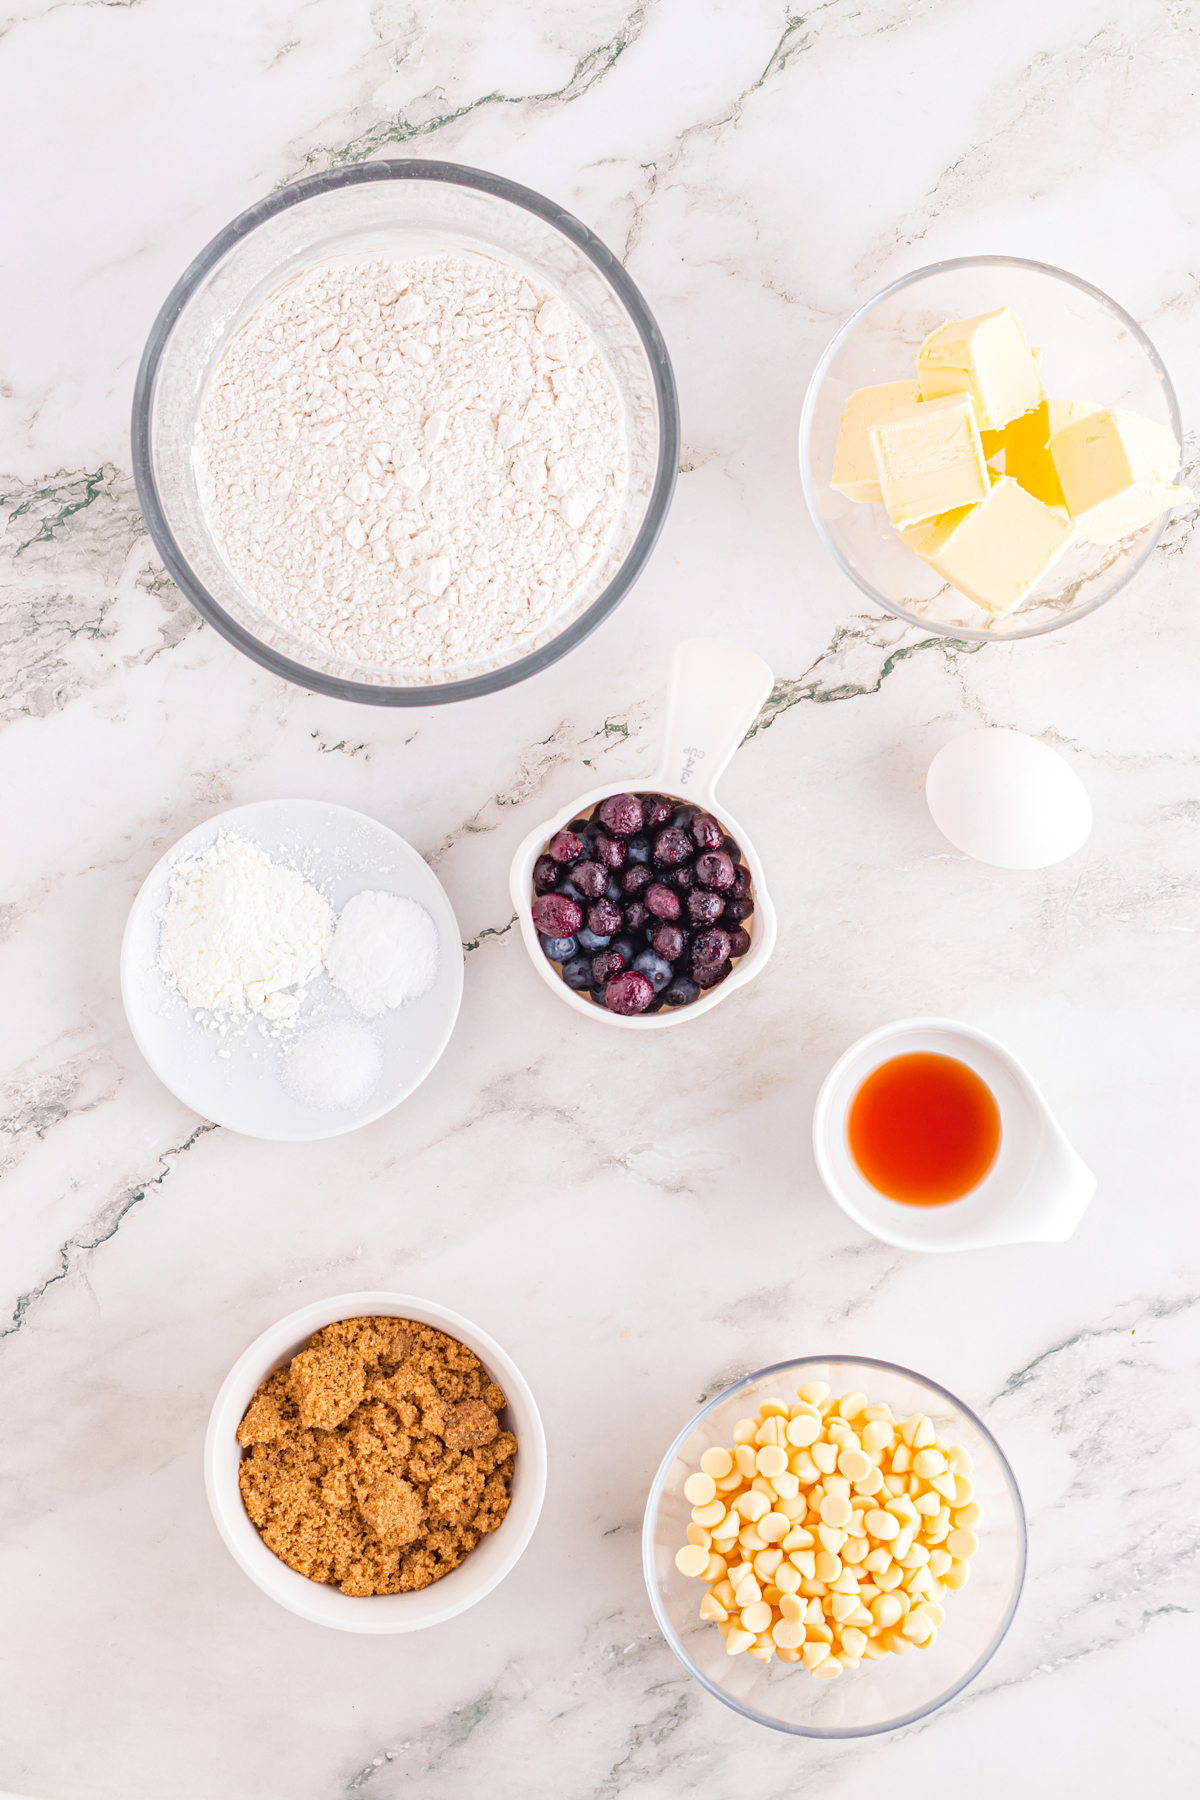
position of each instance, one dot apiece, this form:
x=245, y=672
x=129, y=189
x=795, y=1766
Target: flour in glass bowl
x=412, y=462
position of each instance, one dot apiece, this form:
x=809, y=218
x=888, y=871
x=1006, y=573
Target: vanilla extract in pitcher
x=924, y=1129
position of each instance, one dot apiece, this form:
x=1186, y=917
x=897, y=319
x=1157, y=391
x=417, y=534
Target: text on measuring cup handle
x=691, y=757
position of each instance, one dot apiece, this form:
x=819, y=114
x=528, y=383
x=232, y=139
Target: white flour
x=239, y=930
x=411, y=463
x=384, y=952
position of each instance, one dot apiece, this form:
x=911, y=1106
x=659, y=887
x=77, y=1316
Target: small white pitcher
x=1036, y=1190
x=714, y=694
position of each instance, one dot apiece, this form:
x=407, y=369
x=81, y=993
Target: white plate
x=236, y=1081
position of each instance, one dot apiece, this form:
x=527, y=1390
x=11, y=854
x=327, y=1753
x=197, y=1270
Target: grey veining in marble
x=636, y=1229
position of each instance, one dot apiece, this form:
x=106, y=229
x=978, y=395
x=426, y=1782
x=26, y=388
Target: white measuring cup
x=715, y=692
x=1036, y=1190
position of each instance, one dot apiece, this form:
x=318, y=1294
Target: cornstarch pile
x=412, y=463
x=239, y=932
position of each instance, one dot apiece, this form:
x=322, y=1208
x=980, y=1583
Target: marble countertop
x=636, y=1229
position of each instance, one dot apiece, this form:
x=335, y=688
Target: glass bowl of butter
x=990, y=448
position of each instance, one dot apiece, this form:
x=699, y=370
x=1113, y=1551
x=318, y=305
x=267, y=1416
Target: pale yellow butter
x=854, y=472
x=928, y=459
x=986, y=357
x=1061, y=413
x=1115, y=468
x=995, y=552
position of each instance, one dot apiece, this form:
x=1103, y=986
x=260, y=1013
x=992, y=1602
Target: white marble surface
x=635, y=1228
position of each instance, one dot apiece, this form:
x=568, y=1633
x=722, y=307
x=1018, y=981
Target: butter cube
x=1027, y=455
x=928, y=459
x=986, y=357
x=1062, y=413
x=1116, y=469
x=854, y=472
x=995, y=552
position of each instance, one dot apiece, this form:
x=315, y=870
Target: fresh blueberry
x=732, y=849
x=625, y=948
x=559, y=950
x=704, y=908
x=564, y=846
x=636, y=916
x=591, y=878
x=637, y=847
x=598, y=996
x=613, y=889
x=610, y=851
x=683, y=816
x=656, y=969
x=672, y=846
x=737, y=910
x=681, y=992
x=556, y=916
x=603, y=917
x=636, y=877
x=706, y=831
x=545, y=874
x=654, y=1004
x=578, y=973
x=662, y=901
x=628, y=993
x=568, y=888
x=591, y=941
x=621, y=814
x=739, y=942
x=667, y=941
x=715, y=870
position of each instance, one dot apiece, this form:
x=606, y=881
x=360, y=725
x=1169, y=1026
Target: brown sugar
x=375, y=1460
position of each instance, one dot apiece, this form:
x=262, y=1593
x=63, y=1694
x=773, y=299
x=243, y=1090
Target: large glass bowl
x=397, y=207
x=1091, y=350
x=878, y=1696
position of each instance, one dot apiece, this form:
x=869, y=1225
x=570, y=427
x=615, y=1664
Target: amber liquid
x=924, y=1129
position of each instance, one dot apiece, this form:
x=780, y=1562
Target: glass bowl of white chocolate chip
x=991, y=448
x=834, y=1547
x=405, y=432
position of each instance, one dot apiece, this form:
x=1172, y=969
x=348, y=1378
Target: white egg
x=1004, y=798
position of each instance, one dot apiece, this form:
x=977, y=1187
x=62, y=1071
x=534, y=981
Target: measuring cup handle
x=715, y=692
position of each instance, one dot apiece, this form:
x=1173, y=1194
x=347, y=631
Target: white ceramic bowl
x=477, y=1575
x=238, y=1081
x=1036, y=1190
x=714, y=694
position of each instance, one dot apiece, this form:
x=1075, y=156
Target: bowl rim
x=224, y=1498
x=1010, y=633
x=672, y=1636
x=456, y=175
